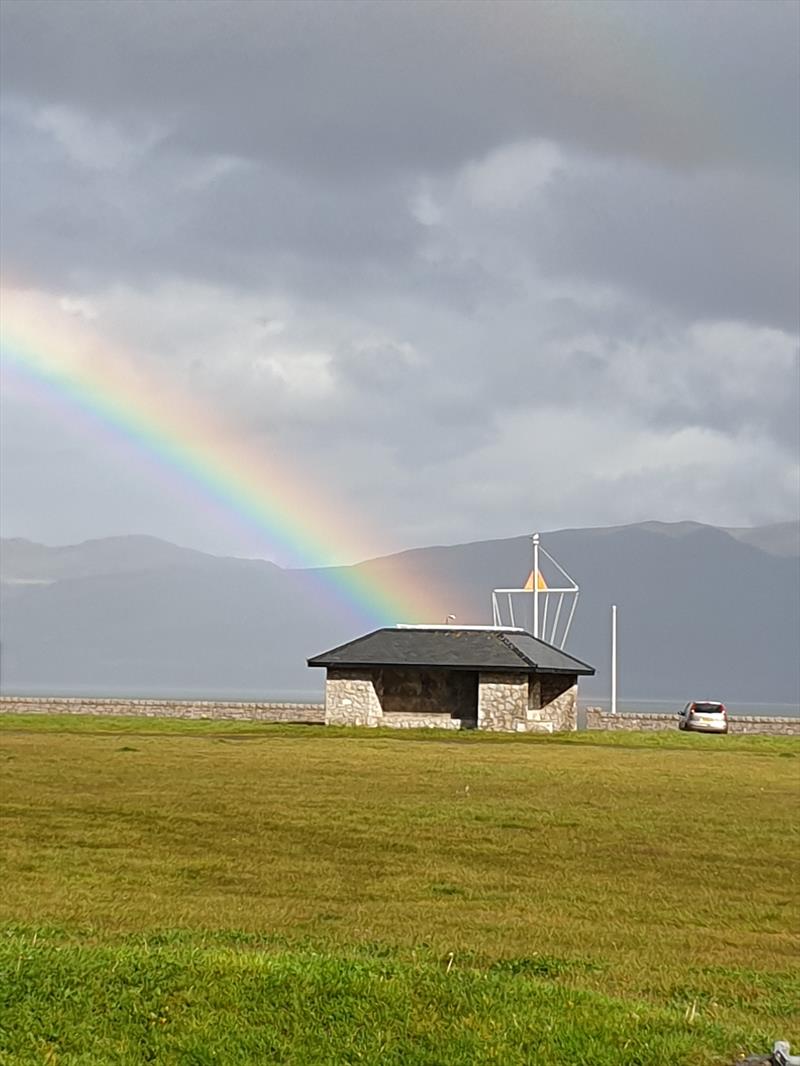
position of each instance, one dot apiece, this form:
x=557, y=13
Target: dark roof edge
x=586, y=667
x=521, y=669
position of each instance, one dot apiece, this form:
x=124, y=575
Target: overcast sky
x=477, y=268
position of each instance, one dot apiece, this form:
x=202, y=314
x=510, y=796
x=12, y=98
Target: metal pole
x=614, y=659
x=535, y=539
x=569, y=620
x=555, y=620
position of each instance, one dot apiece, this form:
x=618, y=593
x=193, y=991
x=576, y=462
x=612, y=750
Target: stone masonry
x=506, y=702
x=558, y=715
x=397, y=699
x=134, y=708
x=562, y=710
x=351, y=699
x=503, y=702
x=597, y=718
x=519, y=703
x=394, y=720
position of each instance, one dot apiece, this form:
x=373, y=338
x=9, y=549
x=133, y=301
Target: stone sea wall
x=504, y=713
x=133, y=708
x=778, y=727
x=597, y=718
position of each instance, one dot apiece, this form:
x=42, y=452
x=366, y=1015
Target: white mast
x=535, y=539
x=548, y=623
x=614, y=659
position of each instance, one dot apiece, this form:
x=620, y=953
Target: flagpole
x=614, y=659
x=535, y=539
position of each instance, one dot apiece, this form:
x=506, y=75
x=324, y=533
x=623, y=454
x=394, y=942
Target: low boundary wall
x=308, y=713
x=314, y=713
x=784, y=726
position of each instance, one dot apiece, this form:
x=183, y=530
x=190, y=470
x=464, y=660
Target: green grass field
x=197, y=893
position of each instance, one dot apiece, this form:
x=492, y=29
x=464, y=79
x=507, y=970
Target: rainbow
x=56, y=359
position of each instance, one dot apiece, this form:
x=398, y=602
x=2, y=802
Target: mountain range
x=703, y=612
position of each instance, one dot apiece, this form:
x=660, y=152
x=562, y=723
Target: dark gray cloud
x=464, y=263
x=141, y=212
x=720, y=245
x=355, y=86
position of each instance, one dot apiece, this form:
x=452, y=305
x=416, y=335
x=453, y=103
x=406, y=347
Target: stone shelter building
x=451, y=677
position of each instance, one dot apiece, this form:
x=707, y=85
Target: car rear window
x=707, y=708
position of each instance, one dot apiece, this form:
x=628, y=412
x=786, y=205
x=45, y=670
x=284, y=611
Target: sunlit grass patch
x=134, y=1003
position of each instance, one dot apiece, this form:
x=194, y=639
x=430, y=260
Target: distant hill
x=782, y=538
x=703, y=612
x=23, y=561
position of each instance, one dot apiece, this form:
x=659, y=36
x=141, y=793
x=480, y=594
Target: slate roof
x=505, y=650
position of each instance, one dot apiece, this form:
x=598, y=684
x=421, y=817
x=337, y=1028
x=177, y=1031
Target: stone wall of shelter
x=597, y=718
x=351, y=698
x=402, y=698
x=503, y=702
x=117, y=707
x=562, y=708
x=394, y=720
x=520, y=703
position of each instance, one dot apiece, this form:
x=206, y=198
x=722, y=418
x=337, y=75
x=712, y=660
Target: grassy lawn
x=198, y=892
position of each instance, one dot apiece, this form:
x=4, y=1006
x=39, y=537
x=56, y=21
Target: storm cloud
x=477, y=268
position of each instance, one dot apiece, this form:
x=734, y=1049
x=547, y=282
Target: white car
x=704, y=716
